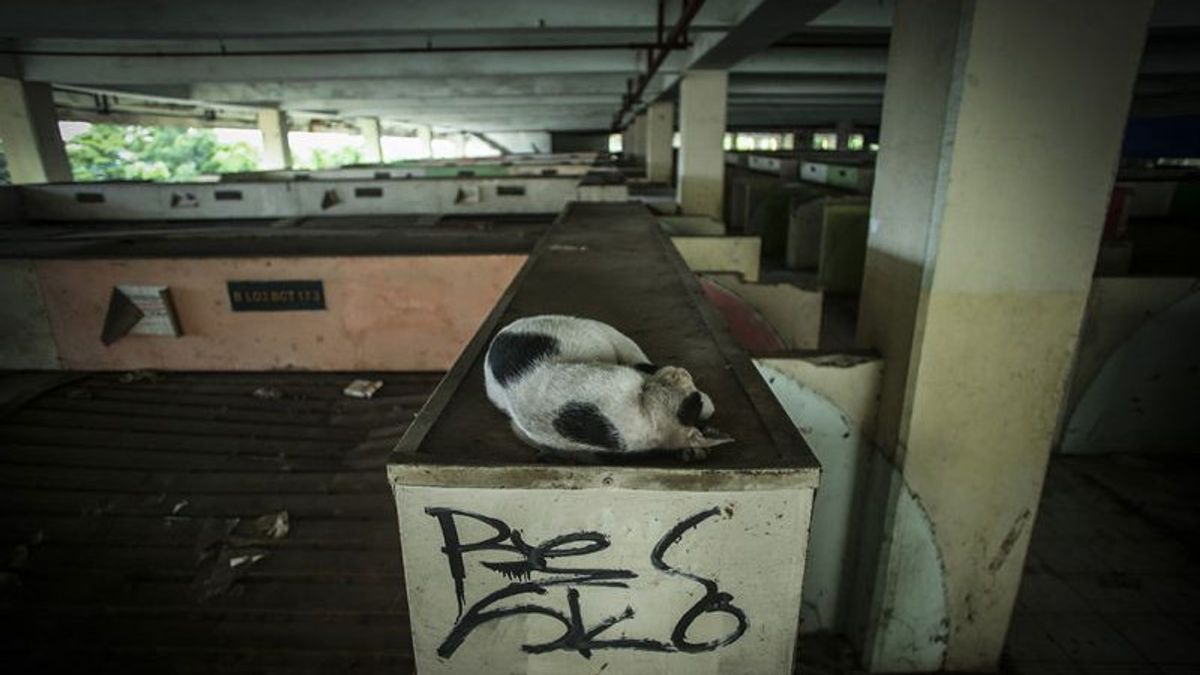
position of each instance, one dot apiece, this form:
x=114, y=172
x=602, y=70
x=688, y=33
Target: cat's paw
x=693, y=454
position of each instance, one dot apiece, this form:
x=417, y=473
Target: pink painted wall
x=387, y=313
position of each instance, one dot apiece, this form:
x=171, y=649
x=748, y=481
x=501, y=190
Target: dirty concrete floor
x=142, y=524
x=1111, y=582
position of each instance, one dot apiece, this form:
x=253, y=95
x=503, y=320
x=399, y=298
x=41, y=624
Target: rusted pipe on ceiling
x=656, y=56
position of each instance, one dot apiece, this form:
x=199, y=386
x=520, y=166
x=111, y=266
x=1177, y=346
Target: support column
x=660, y=126
x=29, y=129
x=844, y=129
x=425, y=135
x=702, y=99
x=372, y=149
x=991, y=187
x=274, y=127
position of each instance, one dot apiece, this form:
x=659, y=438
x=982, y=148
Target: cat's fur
x=576, y=385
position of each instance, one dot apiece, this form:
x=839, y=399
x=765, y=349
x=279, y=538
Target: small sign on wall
x=276, y=296
x=139, y=310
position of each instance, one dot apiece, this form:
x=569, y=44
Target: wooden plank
x=17, y=501
x=282, y=560
x=56, y=657
x=280, y=430
x=172, y=410
x=140, y=481
x=150, y=460
x=368, y=632
x=107, y=438
x=126, y=590
x=226, y=402
x=183, y=531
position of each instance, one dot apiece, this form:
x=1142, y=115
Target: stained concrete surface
x=1110, y=584
x=1110, y=581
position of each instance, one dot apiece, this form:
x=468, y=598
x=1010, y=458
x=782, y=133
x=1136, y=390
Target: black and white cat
x=576, y=385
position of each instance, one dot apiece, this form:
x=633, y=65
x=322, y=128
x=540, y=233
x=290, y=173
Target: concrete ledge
x=656, y=545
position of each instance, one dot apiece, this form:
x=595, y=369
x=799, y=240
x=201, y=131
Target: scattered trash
x=213, y=534
x=179, y=506
x=220, y=564
x=268, y=393
x=247, y=559
x=19, y=557
x=274, y=525
x=140, y=376
x=362, y=388
x=221, y=575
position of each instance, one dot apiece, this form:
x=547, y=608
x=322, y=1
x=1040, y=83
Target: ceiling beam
x=764, y=23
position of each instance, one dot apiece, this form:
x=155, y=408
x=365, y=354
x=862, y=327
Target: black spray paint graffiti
x=536, y=572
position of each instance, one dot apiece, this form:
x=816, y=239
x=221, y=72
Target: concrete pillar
x=702, y=98
x=29, y=129
x=425, y=135
x=660, y=126
x=992, y=181
x=372, y=150
x=634, y=140
x=844, y=129
x=274, y=127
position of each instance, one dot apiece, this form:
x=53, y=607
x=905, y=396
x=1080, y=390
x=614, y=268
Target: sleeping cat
x=573, y=385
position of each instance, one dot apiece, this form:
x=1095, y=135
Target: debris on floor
x=245, y=559
x=362, y=388
x=140, y=376
x=220, y=576
x=268, y=393
x=273, y=525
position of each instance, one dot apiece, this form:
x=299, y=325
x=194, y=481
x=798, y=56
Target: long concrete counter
x=690, y=567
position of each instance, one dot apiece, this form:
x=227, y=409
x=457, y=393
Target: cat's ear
x=674, y=377
x=690, y=410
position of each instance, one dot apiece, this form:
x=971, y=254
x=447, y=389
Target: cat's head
x=678, y=409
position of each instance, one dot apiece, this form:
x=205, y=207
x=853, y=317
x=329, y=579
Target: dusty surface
x=325, y=236
x=610, y=262
x=123, y=505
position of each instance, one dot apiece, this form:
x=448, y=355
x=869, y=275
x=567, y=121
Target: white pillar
x=372, y=149
x=660, y=127
x=701, y=132
x=639, y=138
x=1001, y=132
x=274, y=127
x=425, y=135
x=29, y=129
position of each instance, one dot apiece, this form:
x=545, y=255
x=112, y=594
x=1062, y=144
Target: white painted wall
x=1145, y=396
x=832, y=400
x=729, y=543
x=721, y=254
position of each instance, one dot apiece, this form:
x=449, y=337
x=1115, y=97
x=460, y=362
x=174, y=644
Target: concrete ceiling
x=457, y=65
